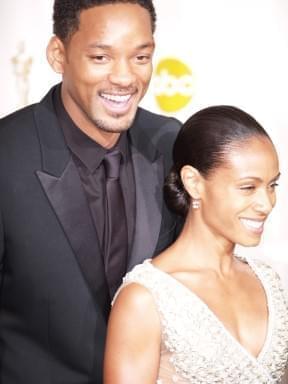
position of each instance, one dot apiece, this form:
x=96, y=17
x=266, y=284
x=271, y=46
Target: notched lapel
x=149, y=178
x=69, y=203
x=61, y=182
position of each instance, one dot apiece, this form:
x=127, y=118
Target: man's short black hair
x=66, y=14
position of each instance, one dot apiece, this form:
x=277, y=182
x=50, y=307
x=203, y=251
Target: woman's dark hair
x=66, y=14
x=203, y=141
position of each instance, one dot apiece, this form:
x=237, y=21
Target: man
x=63, y=245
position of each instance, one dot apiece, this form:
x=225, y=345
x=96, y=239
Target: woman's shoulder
x=135, y=297
x=263, y=266
x=270, y=273
x=138, y=272
x=258, y=265
x=146, y=279
x=138, y=282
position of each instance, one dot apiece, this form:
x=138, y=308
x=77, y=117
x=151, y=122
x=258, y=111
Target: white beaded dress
x=196, y=347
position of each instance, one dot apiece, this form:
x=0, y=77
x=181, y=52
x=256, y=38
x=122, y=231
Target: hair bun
x=175, y=195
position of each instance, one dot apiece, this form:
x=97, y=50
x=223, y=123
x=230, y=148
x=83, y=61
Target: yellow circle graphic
x=173, y=84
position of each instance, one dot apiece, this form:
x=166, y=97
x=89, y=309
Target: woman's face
x=239, y=195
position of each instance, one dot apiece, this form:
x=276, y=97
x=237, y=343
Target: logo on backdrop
x=173, y=84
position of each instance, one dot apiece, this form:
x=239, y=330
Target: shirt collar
x=88, y=151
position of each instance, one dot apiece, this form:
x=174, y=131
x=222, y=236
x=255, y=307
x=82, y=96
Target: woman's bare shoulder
x=134, y=297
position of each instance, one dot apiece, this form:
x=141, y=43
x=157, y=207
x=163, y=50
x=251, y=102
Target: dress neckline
x=215, y=318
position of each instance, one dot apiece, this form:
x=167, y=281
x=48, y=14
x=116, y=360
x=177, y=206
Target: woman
x=197, y=313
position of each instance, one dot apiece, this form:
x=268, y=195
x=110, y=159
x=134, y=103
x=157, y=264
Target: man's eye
x=99, y=58
x=143, y=59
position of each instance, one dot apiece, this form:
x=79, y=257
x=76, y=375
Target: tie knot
x=112, y=162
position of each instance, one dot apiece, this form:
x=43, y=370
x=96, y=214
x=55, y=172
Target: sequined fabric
x=197, y=348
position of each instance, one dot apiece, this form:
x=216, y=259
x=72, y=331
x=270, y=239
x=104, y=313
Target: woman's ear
x=56, y=54
x=192, y=181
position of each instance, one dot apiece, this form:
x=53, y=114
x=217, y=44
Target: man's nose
x=122, y=73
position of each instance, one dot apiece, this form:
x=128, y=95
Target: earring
x=196, y=203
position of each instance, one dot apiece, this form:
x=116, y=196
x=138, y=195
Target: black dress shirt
x=87, y=156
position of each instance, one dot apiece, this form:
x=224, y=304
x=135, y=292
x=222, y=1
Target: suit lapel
x=149, y=178
x=149, y=181
x=61, y=182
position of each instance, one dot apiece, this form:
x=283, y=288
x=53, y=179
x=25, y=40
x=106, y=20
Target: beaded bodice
x=197, y=348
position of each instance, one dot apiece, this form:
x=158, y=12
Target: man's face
x=107, y=67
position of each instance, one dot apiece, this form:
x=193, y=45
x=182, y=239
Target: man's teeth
x=116, y=98
x=252, y=223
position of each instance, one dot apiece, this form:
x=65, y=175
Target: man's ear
x=192, y=181
x=56, y=54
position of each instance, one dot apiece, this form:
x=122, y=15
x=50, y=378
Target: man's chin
x=115, y=124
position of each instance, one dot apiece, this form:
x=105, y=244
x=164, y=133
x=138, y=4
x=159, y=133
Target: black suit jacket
x=54, y=298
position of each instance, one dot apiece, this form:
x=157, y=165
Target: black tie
x=115, y=233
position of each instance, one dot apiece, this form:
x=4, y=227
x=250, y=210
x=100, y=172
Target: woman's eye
x=247, y=187
x=273, y=185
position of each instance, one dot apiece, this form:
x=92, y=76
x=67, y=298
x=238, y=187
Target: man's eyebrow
x=107, y=46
